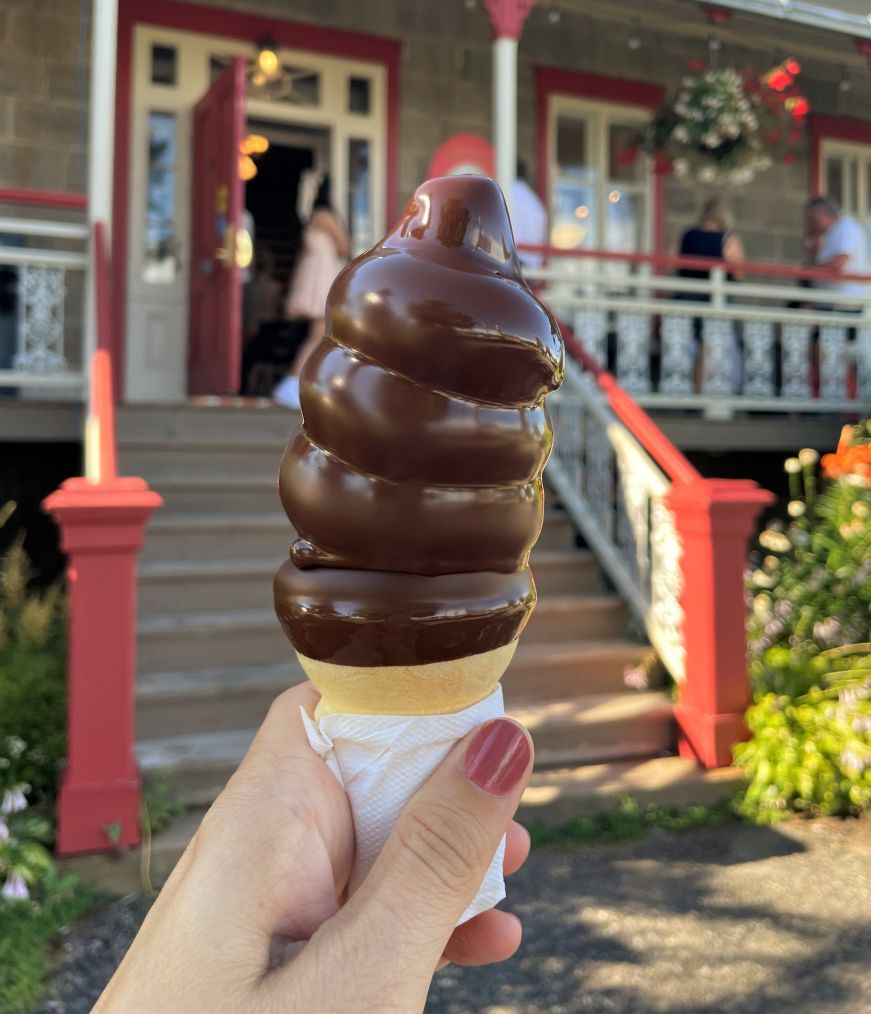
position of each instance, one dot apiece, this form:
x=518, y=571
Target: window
x=359, y=196
x=163, y=65
x=359, y=95
x=846, y=178
x=600, y=196
x=160, y=213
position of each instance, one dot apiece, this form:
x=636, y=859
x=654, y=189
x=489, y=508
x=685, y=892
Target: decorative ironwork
x=678, y=355
x=795, y=342
x=833, y=366
x=41, y=292
x=718, y=365
x=591, y=326
x=666, y=613
x=633, y=351
x=863, y=362
x=759, y=359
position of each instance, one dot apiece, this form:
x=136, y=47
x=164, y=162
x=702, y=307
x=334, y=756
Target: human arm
x=254, y=916
x=330, y=223
x=733, y=253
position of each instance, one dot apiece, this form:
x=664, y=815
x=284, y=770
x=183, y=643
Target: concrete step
x=174, y=586
x=587, y=730
x=233, y=458
x=188, y=641
x=541, y=671
x=196, y=496
x=566, y=572
x=218, y=536
x=576, y=618
x=552, y=798
x=593, y=728
x=197, y=422
x=209, y=700
x=556, y=797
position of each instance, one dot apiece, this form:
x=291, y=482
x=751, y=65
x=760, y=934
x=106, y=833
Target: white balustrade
x=712, y=344
x=42, y=274
x=615, y=493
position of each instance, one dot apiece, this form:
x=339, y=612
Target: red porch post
x=102, y=529
x=714, y=521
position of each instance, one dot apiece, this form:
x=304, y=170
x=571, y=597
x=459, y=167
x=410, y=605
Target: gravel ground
x=735, y=919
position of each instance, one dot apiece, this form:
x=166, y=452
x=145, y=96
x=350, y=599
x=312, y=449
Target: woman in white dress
x=325, y=250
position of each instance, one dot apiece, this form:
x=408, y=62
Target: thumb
x=399, y=920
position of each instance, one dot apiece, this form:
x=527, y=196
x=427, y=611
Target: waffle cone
x=437, y=688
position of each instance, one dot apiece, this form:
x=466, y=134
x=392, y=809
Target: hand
x=263, y=881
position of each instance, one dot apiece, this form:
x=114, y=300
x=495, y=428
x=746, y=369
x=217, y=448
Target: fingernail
x=497, y=757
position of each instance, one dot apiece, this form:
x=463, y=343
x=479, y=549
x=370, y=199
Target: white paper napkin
x=382, y=760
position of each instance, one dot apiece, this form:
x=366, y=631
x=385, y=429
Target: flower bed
x=809, y=597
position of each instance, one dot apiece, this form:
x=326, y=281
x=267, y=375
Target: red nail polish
x=497, y=757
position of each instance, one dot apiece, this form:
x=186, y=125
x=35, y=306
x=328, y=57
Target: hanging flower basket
x=723, y=127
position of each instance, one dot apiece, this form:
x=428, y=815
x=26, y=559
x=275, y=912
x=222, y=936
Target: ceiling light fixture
x=554, y=14
x=634, y=40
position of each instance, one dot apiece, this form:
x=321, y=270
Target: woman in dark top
x=712, y=237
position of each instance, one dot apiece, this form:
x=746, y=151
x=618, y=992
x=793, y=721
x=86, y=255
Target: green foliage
x=26, y=931
x=629, y=822
x=160, y=801
x=810, y=601
x=32, y=678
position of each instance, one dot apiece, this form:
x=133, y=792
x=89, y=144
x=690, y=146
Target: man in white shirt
x=841, y=248
x=528, y=218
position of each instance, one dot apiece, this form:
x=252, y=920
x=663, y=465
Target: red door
x=215, y=332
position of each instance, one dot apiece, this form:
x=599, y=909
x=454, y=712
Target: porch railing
x=772, y=342
x=673, y=542
x=43, y=266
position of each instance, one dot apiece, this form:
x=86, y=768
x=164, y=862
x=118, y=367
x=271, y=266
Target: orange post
x=714, y=520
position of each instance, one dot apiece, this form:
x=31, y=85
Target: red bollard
x=102, y=530
x=714, y=520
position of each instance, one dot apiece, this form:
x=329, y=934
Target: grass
x=27, y=933
x=629, y=822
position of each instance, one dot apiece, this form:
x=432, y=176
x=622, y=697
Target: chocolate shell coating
x=414, y=482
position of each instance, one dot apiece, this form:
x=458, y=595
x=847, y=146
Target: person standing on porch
x=840, y=247
x=528, y=218
x=325, y=250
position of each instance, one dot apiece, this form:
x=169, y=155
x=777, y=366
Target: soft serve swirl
x=414, y=482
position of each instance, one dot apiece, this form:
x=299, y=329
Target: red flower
x=789, y=158
x=792, y=66
x=794, y=136
x=800, y=108
x=662, y=164
x=697, y=65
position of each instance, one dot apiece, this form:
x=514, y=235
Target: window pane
x=834, y=179
x=163, y=65
x=160, y=236
x=624, y=222
x=574, y=218
x=359, y=196
x=358, y=94
x=625, y=163
x=572, y=153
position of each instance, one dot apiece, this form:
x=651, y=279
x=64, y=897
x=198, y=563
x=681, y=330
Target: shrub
x=809, y=598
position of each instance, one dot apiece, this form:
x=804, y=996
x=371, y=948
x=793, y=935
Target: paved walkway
x=735, y=920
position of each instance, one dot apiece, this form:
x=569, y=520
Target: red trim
x=671, y=261
x=832, y=128
x=462, y=150
x=43, y=198
x=244, y=26
x=621, y=91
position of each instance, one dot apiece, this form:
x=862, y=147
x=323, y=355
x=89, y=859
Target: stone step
x=208, y=423
x=541, y=671
x=587, y=730
x=218, y=536
x=197, y=496
x=234, y=458
x=592, y=728
x=576, y=618
x=566, y=572
x=552, y=798
x=206, y=585
x=555, y=797
x=558, y=531
x=187, y=641
x=209, y=700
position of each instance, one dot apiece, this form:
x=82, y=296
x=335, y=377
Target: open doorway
x=271, y=342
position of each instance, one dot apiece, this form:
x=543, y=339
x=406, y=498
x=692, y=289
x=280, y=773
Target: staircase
x=211, y=655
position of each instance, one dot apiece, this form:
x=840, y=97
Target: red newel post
x=102, y=530
x=714, y=521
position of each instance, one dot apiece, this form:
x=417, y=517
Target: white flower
x=795, y=508
x=792, y=465
x=711, y=140
x=15, y=746
x=680, y=167
x=15, y=889
x=14, y=801
x=707, y=174
x=4, y=830
x=808, y=456
x=861, y=509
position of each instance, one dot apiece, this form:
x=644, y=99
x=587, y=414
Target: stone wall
x=445, y=85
